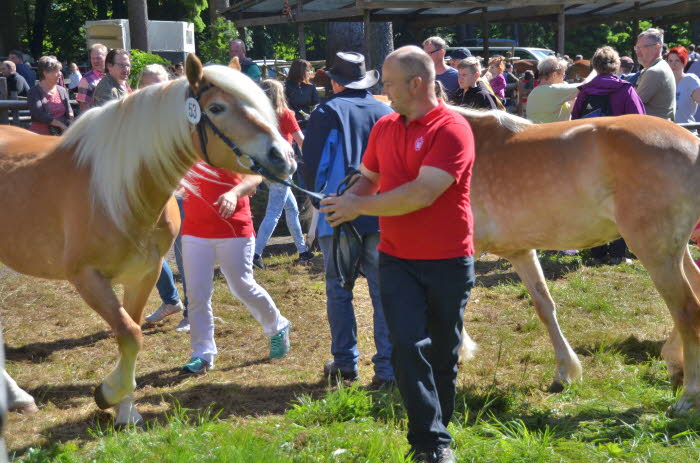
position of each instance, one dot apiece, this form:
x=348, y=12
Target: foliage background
x=64, y=34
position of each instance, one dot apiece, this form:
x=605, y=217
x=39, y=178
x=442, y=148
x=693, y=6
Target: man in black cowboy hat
x=336, y=138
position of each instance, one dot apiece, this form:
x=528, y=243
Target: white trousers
x=235, y=256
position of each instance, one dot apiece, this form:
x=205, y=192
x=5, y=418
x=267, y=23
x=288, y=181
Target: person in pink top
x=48, y=102
x=218, y=227
x=498, y=80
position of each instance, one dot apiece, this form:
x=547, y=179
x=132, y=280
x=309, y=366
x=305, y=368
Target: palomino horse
x=632, y=176
x=95, y=207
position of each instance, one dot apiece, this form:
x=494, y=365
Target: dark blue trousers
x=424, y=303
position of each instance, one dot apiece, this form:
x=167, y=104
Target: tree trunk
x=214, y=7
x=36, y=46
x=382, y=43
x=343, y=36
x=347, y=36
x=138, y=24
x=9, y=39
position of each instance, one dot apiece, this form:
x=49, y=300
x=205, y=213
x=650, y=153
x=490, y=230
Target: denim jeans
x=424, y=303
x=280, y=198
x=341, y=313
x=178, y=256
x=166, y=285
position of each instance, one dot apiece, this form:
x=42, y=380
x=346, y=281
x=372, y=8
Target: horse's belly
x=548, y=225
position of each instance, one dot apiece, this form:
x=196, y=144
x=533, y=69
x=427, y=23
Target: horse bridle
x=346, y=269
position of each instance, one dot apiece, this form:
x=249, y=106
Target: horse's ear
x=193, y=70
x=235, y=63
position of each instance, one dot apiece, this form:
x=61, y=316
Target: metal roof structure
x=433, y=13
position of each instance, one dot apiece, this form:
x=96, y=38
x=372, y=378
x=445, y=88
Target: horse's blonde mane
x=147, y=134
x=509, y=121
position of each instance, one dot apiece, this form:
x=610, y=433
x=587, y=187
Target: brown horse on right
x=632, y=176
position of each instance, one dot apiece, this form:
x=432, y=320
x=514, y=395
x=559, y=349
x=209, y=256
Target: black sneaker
x=258, y=262
x=330, y=370
x=305, y=257
x=443, y=454
x=382, y=383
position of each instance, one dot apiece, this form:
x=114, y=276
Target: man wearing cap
x=420, y=161
x=337, y=135
x=435, y=48
x=458, y=55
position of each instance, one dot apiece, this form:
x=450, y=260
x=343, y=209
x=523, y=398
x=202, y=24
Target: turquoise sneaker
x=196, y=366
x=279, y=343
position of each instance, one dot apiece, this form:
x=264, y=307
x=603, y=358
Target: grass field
x=251, y=409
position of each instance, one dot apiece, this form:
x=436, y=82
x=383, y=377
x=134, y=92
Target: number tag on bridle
x=192, y=110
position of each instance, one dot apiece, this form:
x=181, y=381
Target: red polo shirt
x=396, y=151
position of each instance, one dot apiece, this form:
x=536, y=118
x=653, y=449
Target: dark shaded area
x=38, y=352
x=635, y=351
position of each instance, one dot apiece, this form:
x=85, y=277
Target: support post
x=368, y=38
x=635, y=31
x=561, y=31
x=4, y=113
x=485, y=34
x=302, y=36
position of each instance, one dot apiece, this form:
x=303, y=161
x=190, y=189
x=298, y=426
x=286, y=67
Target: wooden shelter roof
x=433, y=13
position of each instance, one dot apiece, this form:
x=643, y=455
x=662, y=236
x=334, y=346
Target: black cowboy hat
x=349, y=71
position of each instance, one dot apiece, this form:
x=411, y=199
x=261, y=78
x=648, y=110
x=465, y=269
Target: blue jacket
x=336, y=137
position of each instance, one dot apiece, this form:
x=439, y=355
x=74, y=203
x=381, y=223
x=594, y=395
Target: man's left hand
x=340, y=209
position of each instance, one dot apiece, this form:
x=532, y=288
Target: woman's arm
x=36, y=106
x=298, y=137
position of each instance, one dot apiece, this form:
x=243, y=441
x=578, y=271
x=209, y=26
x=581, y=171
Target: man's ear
x=193, y=71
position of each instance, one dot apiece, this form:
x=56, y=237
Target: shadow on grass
x=38, y=352
x=227, y=399
x=633, y=350
x=554, y=267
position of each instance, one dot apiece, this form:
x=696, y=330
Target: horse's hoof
x=26, y=408
x=100, y=399
x=556, y=387
x=676, y=380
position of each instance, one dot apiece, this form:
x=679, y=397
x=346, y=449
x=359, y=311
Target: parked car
x=517, y=53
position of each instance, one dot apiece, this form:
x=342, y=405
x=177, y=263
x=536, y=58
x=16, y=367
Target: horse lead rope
x=346, y=270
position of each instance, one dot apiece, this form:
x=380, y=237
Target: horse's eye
x=216, y=108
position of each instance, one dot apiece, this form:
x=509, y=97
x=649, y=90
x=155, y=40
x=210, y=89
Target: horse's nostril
x=276, y=156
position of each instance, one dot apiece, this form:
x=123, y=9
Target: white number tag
x=192, y=110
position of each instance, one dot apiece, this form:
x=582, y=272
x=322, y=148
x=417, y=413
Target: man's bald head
x=236, y=47
x=413, y=62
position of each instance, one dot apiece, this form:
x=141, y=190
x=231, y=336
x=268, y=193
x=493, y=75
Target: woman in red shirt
x=218, y=226
x=281, y=197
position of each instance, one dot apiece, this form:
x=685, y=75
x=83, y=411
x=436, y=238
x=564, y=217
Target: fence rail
x=20, y=112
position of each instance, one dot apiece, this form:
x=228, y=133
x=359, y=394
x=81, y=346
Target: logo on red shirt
x=419, y=143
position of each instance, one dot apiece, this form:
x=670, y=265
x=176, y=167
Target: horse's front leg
x=528, y=268
x=97, y=291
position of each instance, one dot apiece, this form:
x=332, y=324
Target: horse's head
x=237, y=126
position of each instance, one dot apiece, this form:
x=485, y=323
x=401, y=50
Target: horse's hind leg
x=96, y=290
x=673, y=348
x=665, y=270
x=528, y=268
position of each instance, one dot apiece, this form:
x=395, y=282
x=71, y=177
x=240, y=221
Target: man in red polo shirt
x=421, y=159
